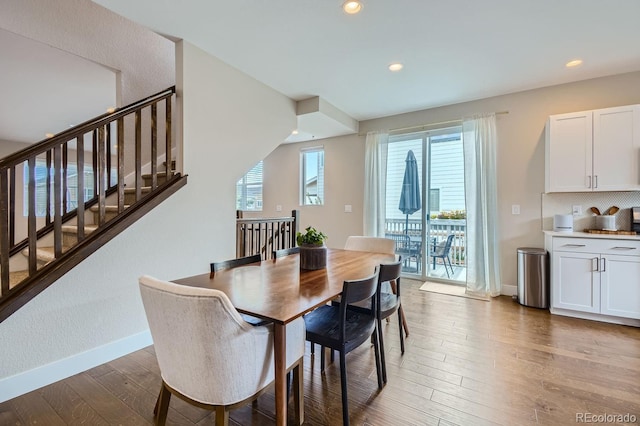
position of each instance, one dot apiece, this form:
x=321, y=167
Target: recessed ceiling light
x=295, y=132
x=49, y=135
x=396, y=66
x=111, y=110
x=574, y=63
x=352, y=6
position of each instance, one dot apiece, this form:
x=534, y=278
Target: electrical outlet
x=278, y=208
x=577, y=210
x=515, y=209
x=347, y=208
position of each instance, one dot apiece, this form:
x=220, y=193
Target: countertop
x=589, y=235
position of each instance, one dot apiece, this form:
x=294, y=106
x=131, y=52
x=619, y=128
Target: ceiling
x=453, y=51
x=46, y=90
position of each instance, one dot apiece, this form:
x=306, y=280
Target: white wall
x=520, y=160
x=94, y=313
x=344, y=183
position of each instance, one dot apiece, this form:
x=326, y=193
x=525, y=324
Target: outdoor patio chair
x=442, y=251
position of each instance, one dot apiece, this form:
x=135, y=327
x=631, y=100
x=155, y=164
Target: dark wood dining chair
x=344, y=330
x=389, y=302
x=233, y=263
x=236, y=263
x=285, y=252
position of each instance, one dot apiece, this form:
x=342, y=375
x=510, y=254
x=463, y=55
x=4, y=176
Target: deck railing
x=439, y=229
x=264, y=235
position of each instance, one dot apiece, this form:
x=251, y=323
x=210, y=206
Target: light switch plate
x=347, y=208
x=278, y=208
x=515, y=209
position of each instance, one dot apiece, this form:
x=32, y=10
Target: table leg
x=280, y=360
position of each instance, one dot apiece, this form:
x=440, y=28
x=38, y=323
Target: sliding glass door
x=430, y=233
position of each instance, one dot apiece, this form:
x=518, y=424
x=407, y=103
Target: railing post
x=4, y=233
x=57, y=201
x=31, y=221
x=102, y=177
x=295, y=214
x=154, y=147
x=138, y=155
x=120, y=137
x=80, y=188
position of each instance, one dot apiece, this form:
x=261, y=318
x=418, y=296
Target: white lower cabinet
x=596, y=276
x=620, y=286
x=576, y=281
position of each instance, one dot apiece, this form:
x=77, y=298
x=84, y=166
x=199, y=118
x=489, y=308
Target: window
x=72, y=187
x=312, y=176
x=249, y=190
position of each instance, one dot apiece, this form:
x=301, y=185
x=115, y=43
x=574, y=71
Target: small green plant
x=311, y=237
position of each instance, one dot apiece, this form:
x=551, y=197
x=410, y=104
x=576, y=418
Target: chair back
x=354, y=291
x=285, y=252
x=370, y=244
x=402, y=242
x=443, y=249
x=201, y=342
x=234, y=263
x=390, y=272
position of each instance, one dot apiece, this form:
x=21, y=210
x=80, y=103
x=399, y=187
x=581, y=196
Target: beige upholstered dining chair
x=209, y=356
x=370, y=244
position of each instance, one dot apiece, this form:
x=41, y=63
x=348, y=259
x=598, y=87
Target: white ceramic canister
x=606, y=222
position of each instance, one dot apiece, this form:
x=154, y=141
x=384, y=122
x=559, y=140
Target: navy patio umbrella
x=410, y=197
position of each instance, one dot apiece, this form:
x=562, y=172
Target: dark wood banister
x=58, y=159
x=81, y=129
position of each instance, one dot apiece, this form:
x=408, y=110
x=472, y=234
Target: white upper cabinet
x=593, y=150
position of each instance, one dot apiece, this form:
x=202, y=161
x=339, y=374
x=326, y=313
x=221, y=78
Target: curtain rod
x=430, y=125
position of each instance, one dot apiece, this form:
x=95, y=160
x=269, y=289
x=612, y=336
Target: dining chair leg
x=332, y=356
x=343, y=385
x=376, y=347
x=222, y=416
x=381, y=348
x=404, y=321
x=322, y=351
x=162, y=406
x=401, y=325
x=313, y=348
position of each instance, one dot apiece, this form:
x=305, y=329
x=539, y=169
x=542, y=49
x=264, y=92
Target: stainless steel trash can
x=533, y=277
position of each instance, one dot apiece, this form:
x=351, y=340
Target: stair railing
x=65, y=195
x=264, y=235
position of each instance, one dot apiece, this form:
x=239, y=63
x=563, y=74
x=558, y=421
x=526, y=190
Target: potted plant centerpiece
x=313, y=252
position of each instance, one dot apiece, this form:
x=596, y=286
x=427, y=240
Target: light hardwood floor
x=467, y=362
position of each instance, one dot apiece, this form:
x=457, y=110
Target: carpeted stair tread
x=44, y=254
x=110, y=209
x=144, y=189
x=73, y=229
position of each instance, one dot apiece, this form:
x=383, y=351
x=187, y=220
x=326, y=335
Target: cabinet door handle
x=604, y=265
x=597, y=268
x=623, y=248
x=589, y=184
x=574, y=245
x=595, y=181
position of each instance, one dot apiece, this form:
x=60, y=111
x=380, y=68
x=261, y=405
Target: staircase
x=81, y=213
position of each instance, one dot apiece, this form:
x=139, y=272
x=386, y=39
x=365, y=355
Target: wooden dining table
x=279, y=291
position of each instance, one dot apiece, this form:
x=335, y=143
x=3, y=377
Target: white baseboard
x=19, y=384
x=509, y=290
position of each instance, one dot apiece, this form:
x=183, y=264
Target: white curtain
x=482, y=251
x=375, y=171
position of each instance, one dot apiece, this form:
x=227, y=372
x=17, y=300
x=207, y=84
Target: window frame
x=320, y=193
x=243, y=185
